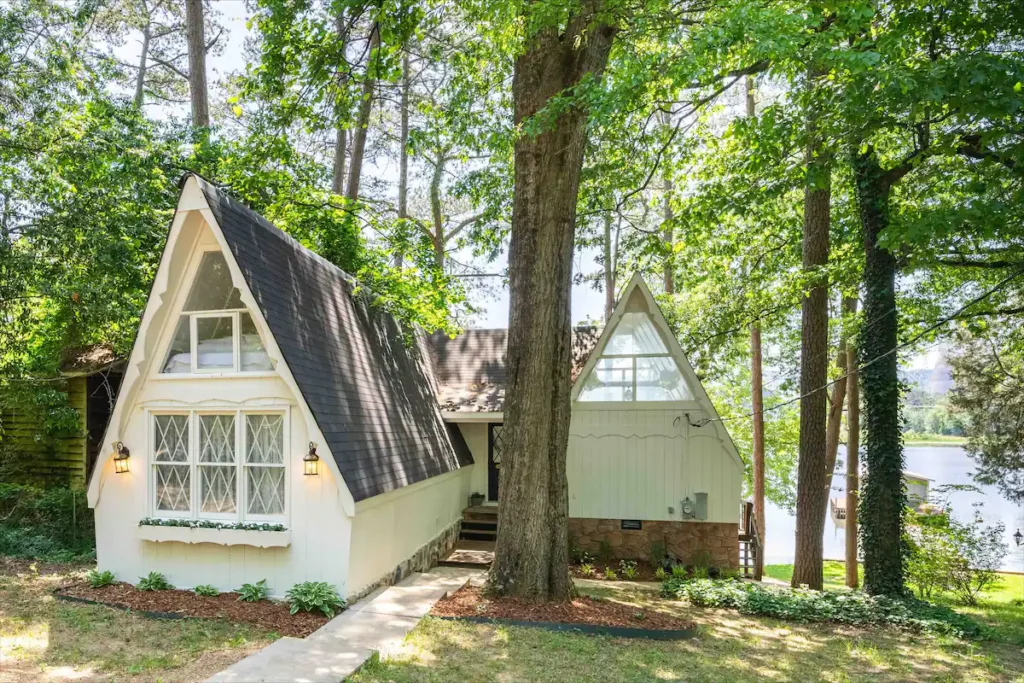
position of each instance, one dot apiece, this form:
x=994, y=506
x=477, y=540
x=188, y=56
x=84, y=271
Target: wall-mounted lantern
x=121, y=455
x=311, y=461
x=1018, y=538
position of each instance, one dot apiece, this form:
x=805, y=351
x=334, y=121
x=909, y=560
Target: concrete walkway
x=377, y=623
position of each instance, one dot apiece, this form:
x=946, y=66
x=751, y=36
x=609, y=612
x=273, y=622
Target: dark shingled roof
x=368, y=390
x=471, y=369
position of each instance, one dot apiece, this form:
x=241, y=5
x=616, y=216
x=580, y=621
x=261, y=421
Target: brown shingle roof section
x=471, y=369
x=368, y=390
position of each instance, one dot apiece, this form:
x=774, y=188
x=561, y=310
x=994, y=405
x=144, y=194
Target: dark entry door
x=495, y=443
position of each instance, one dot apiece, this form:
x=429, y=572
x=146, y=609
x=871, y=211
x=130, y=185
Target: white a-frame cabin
x=273, y=424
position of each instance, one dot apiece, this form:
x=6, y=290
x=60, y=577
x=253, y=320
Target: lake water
x=942, y=464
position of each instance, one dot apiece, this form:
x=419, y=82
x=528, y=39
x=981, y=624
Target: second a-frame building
x=274, y=424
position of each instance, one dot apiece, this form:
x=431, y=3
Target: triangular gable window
x=215, y=332
x=636, y=366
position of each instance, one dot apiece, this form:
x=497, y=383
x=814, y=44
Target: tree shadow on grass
x=730, y=647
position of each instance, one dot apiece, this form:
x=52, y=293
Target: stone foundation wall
x=425, y=557
x=684, y=540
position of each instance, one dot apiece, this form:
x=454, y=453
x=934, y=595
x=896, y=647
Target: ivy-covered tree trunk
x=882, y=495
x=532, y=554
x=811, y=495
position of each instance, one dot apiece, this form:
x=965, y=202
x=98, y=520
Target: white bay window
x=219, y=465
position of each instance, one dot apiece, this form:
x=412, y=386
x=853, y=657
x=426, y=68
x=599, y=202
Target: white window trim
x=241, y=481
x=633, y=401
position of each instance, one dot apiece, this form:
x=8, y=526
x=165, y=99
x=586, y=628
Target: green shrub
x=206, y=590
x=53, y=525
x=678, y=571
x=610, y=574
x=804, y=605
x=98, y=579
x=660, y=574
x=587, y=569
x=314, y=595
x=604, y=551
x=701, y=572
x=154, y=581
x=253, y=592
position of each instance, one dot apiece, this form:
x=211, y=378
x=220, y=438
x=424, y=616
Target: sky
x=491, y=301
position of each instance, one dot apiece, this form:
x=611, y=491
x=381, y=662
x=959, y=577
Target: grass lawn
x=995, y=608
x=730, y=647
x=44, y=639
x=915, y=439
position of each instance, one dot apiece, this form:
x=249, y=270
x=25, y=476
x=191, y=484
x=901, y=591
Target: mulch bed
x=469, y=601
x=644, y=571
x=265, y=614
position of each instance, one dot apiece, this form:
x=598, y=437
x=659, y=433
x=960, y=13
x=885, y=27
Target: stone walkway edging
x=377, y=623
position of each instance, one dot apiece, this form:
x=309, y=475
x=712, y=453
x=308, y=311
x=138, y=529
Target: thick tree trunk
x=883, y=497
x=532, y=555
x=363, y=119
x=757, y=402
x=835, y=409
x=195, y=33
x=140, y=80
x=852, y=467
x=757, y=407
x=403, y=153
x=811, y=495
x=609, y=269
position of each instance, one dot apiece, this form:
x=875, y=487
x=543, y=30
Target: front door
x=495, y=443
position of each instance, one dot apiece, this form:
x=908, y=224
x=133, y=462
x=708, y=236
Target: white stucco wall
x=475, y=434
x=320, y=529
x=389, y=528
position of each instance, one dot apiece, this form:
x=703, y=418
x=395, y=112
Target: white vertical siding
x=636, y=464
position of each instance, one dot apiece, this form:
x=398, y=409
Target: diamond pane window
x=173, y=488
x=217, y=463
x=173, y=482
x=264, y=457
x=171, y=438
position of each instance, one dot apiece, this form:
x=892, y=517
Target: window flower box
x=227, y=536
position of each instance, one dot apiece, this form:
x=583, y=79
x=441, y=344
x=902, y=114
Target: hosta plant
x=314, y=595
x=154, y=581
x=207, y=590
x=98, y=579
x=253, y=592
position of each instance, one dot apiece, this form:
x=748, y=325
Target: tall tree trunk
x=140, y=80
x=757, y=403
x=811, y=495
x=882, y=494
x=852, y=467
x=667, y=237
x=609, y=269
x=757, y=406
x=532, y=554
x=363, y=118
x=438, y=238
x=403, y=153
x=341, y=132
x=197, y=63
x=835, y=409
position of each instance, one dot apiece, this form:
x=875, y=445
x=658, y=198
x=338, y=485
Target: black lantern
x=1018, y=537
x=121, y=455
x=310, y=462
